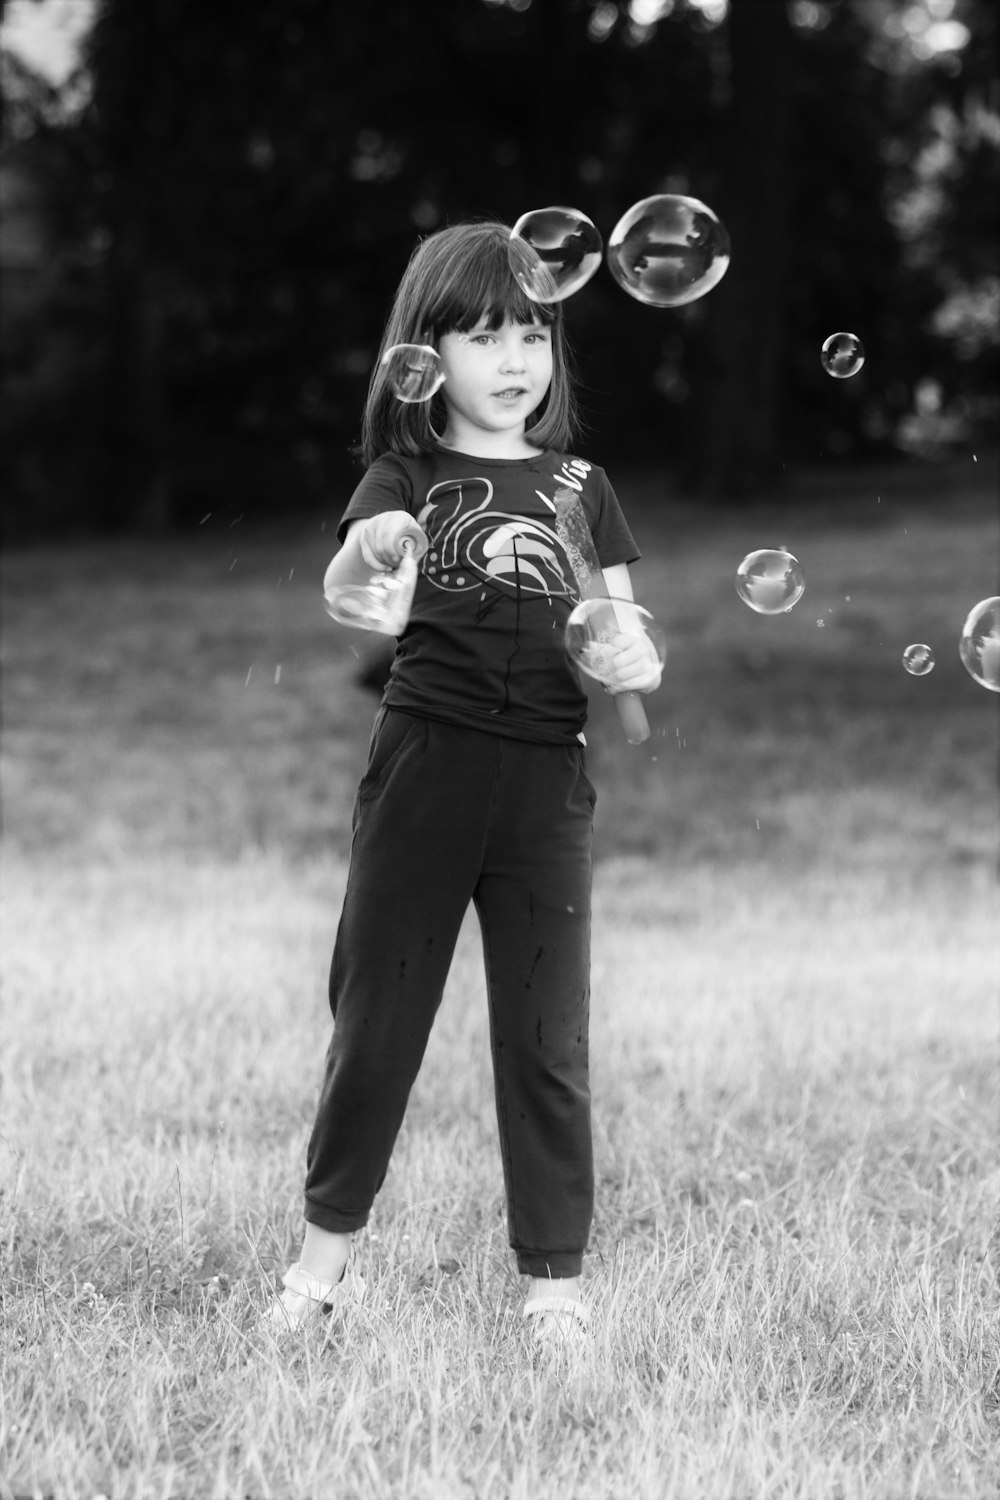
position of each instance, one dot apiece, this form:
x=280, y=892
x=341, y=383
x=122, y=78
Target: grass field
x=795, y=1264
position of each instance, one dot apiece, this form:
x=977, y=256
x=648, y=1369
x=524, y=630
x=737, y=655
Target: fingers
x=635, y=666
x=642, y=680
x=387, y=538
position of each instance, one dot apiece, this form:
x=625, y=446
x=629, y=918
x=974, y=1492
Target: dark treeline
x=223, y=199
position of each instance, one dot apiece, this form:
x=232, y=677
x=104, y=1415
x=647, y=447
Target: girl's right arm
x=374, y=545
x=348, y=565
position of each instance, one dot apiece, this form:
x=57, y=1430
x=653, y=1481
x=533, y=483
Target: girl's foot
x=305, y=1298
x=320, y=1279
x=555, y=1312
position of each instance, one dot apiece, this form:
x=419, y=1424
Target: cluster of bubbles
x=771, y=581
x=667, y=250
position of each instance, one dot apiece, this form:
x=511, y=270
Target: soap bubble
x=553, y=252
x=918, y=659
x=598, y=628
x=668, y=250
x=842, y=355
x=382, y=604
x=770, y=581
x=363, y=605
x=979, y=646
x=415, y=371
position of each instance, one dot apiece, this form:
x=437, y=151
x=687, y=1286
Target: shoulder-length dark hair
x=454, y=278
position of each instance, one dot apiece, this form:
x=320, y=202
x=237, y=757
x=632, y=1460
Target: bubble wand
x=574, y=534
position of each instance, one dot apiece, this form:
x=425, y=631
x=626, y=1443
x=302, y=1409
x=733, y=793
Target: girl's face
x=493, y=382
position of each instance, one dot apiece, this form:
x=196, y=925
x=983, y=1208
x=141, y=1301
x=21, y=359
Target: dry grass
x=795, y=1259
x=794, y=1267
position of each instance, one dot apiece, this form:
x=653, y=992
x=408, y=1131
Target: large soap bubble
x=770, y=581
x=979, y=645
x=668, y=250
x=553, y=252
x=598, y=628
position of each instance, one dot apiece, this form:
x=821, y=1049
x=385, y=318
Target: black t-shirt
x=484, y=643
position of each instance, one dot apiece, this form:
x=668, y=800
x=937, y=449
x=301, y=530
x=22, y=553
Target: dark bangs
x=474, y=281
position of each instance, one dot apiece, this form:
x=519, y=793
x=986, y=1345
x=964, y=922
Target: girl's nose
x=512, y=356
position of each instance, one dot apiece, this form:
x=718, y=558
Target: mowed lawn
x=795, y=1265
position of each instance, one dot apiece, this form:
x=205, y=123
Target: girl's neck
x=489, y=444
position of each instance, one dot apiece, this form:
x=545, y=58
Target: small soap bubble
x=918, y=659
x=668, y=250
x=979, y=645
x=770, y=581
x=842, y=355
x=414, y=371
x=597, y=629
x=553, y=252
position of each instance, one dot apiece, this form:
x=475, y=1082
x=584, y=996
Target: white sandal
x=557, y=1320
x=305, y=1298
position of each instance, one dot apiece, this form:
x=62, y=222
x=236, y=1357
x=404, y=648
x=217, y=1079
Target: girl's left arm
x=618, y=581
x=637, y=664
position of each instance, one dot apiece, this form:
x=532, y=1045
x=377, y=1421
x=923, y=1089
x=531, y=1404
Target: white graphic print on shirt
x=472, y=545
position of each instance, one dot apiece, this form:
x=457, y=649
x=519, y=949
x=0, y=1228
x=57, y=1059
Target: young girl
x=475, y=788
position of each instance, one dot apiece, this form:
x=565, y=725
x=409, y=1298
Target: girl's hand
x=387, y=538
x=634, y=667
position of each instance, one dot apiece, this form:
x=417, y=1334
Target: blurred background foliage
x=203, y=223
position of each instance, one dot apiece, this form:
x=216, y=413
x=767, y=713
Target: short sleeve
x=612, y=537
x=387, y=485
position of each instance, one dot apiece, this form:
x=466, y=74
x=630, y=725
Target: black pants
x=445, y=815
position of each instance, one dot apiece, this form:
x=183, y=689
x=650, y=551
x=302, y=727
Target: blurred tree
x=51, y=328
x=246, y=196
x=263, y=188
x=943, y=191
x=736, y=439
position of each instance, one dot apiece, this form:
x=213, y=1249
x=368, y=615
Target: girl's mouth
x=511, y=394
